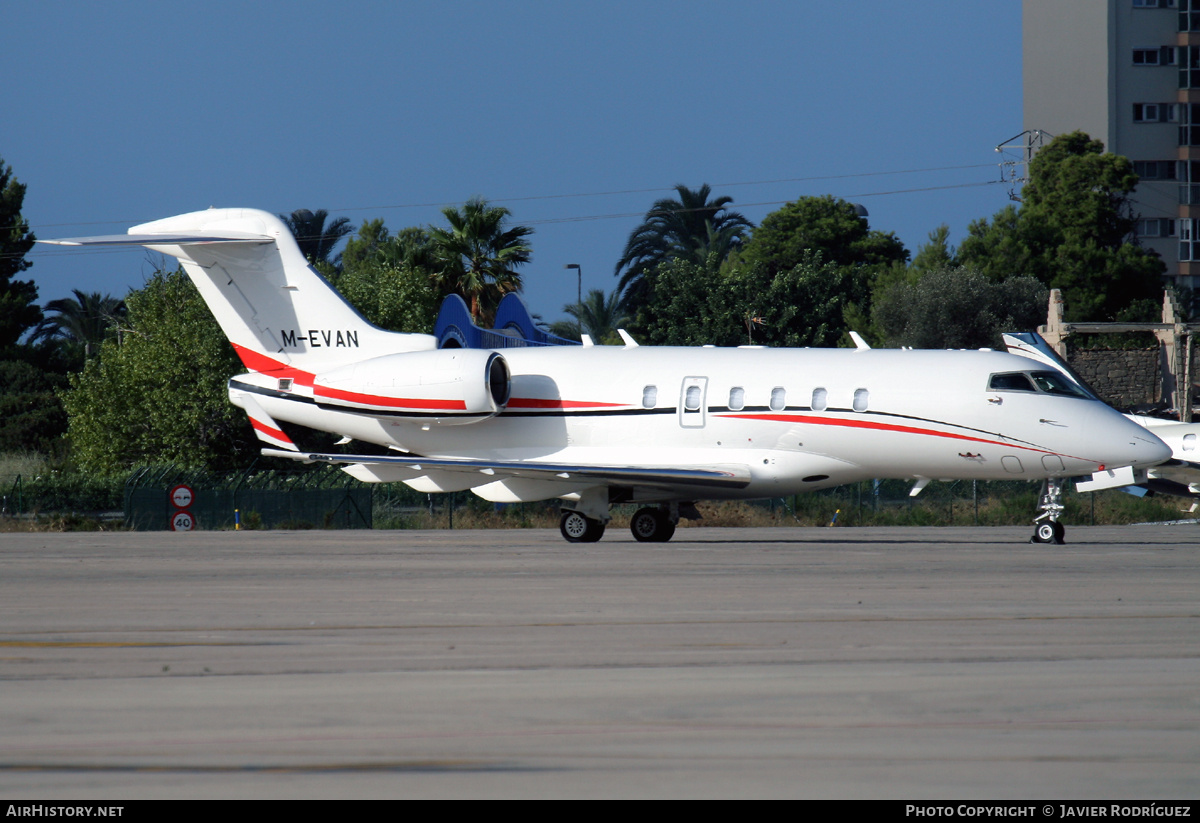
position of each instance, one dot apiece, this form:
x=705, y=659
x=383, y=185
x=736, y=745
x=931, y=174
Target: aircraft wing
x=519, y=480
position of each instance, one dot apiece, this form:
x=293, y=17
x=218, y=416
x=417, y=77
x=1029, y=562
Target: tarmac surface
x=896, y=663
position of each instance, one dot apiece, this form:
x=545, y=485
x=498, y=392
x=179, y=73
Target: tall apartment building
x=1127, y=72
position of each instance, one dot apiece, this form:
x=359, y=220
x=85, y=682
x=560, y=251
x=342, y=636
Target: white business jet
x=598, y=425
x=1176, y=477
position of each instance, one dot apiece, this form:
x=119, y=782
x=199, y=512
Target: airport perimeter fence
x=320, y=497
x=956, y=502
x=867, y=503
x=324, y=497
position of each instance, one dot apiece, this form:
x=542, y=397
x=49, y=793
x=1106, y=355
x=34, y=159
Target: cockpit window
x=1052, y=382
x=1010, y=381
x=1049, y=382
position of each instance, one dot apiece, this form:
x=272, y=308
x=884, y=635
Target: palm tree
x=316, y=240
x=84, y=320
x=597, y=316
x=478, y=256
x=690, y=228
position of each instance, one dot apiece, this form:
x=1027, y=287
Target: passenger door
x=691, y=402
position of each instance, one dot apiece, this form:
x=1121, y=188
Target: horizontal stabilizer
x=174, y=239
x=275, y=309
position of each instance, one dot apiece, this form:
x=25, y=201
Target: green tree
x=159, y=393
x=598, y=316
x=478, y=256
x=838, y=233
x=317, y=240
x=936, y=254
x=81, y=322
x=410, y=247
x=691, y=228
x=739, y=303
x=31, y=414
x=956, y=307
x=824, y=224
x=18, y=308
x=388, y=278
x=1074, y=232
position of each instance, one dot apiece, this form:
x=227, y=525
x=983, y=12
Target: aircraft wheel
x=651, y=526
x=1048, y=532
x=579, y=529
x=645, y=525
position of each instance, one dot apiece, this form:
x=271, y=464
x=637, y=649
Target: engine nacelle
x=442, y=387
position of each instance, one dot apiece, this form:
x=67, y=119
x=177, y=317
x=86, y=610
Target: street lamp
x=578, y=271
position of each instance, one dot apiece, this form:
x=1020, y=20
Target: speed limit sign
x=183, y=522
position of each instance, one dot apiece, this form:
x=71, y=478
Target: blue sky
x=574, y=115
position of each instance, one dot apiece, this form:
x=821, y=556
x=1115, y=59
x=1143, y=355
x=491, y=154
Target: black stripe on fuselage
x=631, y=412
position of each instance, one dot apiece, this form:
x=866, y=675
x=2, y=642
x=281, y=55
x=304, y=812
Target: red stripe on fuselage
x=878, y=426
x=390, y=402
x=266, y=365
x=269, y=366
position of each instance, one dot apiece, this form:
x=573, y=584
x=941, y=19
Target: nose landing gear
x=1047, y=529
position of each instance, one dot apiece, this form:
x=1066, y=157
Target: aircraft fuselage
x=798, y=418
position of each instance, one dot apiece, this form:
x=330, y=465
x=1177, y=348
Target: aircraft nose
x=1130, y=444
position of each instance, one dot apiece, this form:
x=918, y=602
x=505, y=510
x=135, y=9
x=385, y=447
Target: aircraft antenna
x=751, y=321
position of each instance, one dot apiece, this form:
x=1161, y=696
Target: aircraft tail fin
x=277, y=311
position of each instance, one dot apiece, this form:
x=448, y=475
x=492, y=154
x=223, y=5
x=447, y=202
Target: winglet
x=859, y=343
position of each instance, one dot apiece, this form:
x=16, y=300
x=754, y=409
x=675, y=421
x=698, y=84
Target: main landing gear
x=652, y=525
x=578, y=528
x=648, y=524
x=1046, y=528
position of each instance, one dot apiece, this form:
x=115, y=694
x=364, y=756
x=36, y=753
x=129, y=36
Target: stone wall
x=1122, y=377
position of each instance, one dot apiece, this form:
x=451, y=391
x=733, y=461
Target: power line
x=531, y=198
x=764, y=203
x=42, y=252
x=666, y=189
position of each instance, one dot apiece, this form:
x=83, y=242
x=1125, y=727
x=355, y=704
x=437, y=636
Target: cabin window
x=820, y=400
x=1011, y=381
x=649, y=397
x=778, y=398
x=691, y=398
x=285, y=384
x=737, y=398
x=861, y=396
x=1189, y=442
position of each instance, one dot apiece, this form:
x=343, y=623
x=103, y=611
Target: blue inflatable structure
x=514, y=327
